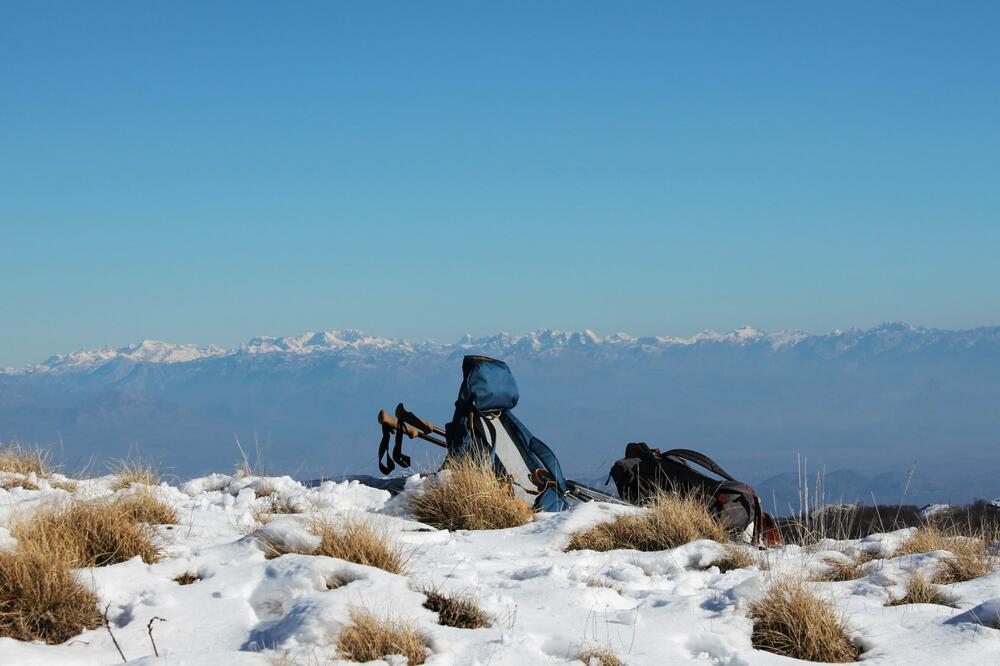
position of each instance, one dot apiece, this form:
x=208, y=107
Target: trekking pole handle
x=408, y=430
x=405, y=416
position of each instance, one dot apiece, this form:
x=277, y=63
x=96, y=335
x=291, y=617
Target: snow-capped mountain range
x=350, y=342
x=867, y=404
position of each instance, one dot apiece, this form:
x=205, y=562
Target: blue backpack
x=483, y=424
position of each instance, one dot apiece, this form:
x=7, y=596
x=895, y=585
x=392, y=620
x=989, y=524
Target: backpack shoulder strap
x=699, y=459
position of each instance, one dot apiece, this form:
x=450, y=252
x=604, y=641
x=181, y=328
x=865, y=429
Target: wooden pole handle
x=407, y=417
x=408, y=430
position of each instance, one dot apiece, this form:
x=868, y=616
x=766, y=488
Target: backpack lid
x=486, y=385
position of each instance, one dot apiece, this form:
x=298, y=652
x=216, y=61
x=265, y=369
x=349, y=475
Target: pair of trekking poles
x=409, y=424
x=405, y=423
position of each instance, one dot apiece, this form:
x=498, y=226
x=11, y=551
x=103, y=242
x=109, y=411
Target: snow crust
x=669, y=607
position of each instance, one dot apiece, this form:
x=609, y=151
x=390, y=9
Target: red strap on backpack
x=765, y=530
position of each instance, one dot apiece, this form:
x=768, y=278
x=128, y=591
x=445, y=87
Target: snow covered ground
x=669, y=607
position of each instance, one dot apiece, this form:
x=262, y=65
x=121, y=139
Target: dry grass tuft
x=41, y=599
x=607, y=583
x=842, y=570
x=354, y=540
x=369, y=637
x=790, y=620
x=24, y=460
x=265, y=489
x=971, y=555
x=144, y=507
x=187, y=578
x=864, y=556
x=599, y=657
x=456, y=611
x=670, y=520
x=469, y=497
x=68, y=485
x=335, y=582
x=18, y=482
x=971, y=560
x=735, y=557
x=245, y=469
x=87, y=534
x=926, y=539
x=920, y=591
x=134, y=471
x=271, y=505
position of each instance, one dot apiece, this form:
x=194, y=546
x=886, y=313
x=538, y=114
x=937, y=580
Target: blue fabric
x=551, y=500
x=487, y=385
x=534, y=451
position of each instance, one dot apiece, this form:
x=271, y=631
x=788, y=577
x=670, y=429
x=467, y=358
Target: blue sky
x=205, y=172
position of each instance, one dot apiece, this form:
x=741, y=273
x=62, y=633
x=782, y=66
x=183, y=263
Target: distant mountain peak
x=144, y=351
x=355, y=343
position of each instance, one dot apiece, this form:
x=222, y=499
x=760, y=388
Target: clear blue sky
x=205, y=172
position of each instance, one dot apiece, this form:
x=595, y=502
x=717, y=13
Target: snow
x=932, y=509
x=668, y=607
x=145, y=351
x=350, y=343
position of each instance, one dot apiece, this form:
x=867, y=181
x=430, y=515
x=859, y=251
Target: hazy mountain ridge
x=356, y=345
x=871, y=401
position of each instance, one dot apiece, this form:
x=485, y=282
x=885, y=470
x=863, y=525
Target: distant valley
x=866, y=405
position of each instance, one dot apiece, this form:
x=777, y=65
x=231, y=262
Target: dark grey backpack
x=644, y=471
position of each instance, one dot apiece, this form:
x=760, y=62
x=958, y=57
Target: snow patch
x=671, y=606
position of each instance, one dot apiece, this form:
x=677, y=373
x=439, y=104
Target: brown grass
x=354, y=540
x=17, y=482
x=271, y=505
x=790, y=620
x=920, y=591
x=925, y=539
x=670, y=520
x=187, y=578
x=265, y=489
x=134, y=471
x=606, y=583
x=470, y=497
x=24, y=460
x=68, y=485
x=40, y=598
x=144, y=507
x=245, y=469
x=970, y=559
x=842, y=570
x=599, y=657
x=335, y=582
x=85, y=534
x=369, y=637
x=360, y=542
x=456, y=610
x=735, y=557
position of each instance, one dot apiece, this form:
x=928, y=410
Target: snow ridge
x=546, y=342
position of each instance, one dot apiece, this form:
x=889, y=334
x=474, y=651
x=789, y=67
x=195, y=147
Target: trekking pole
x=407, y=429
x=407, y=417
